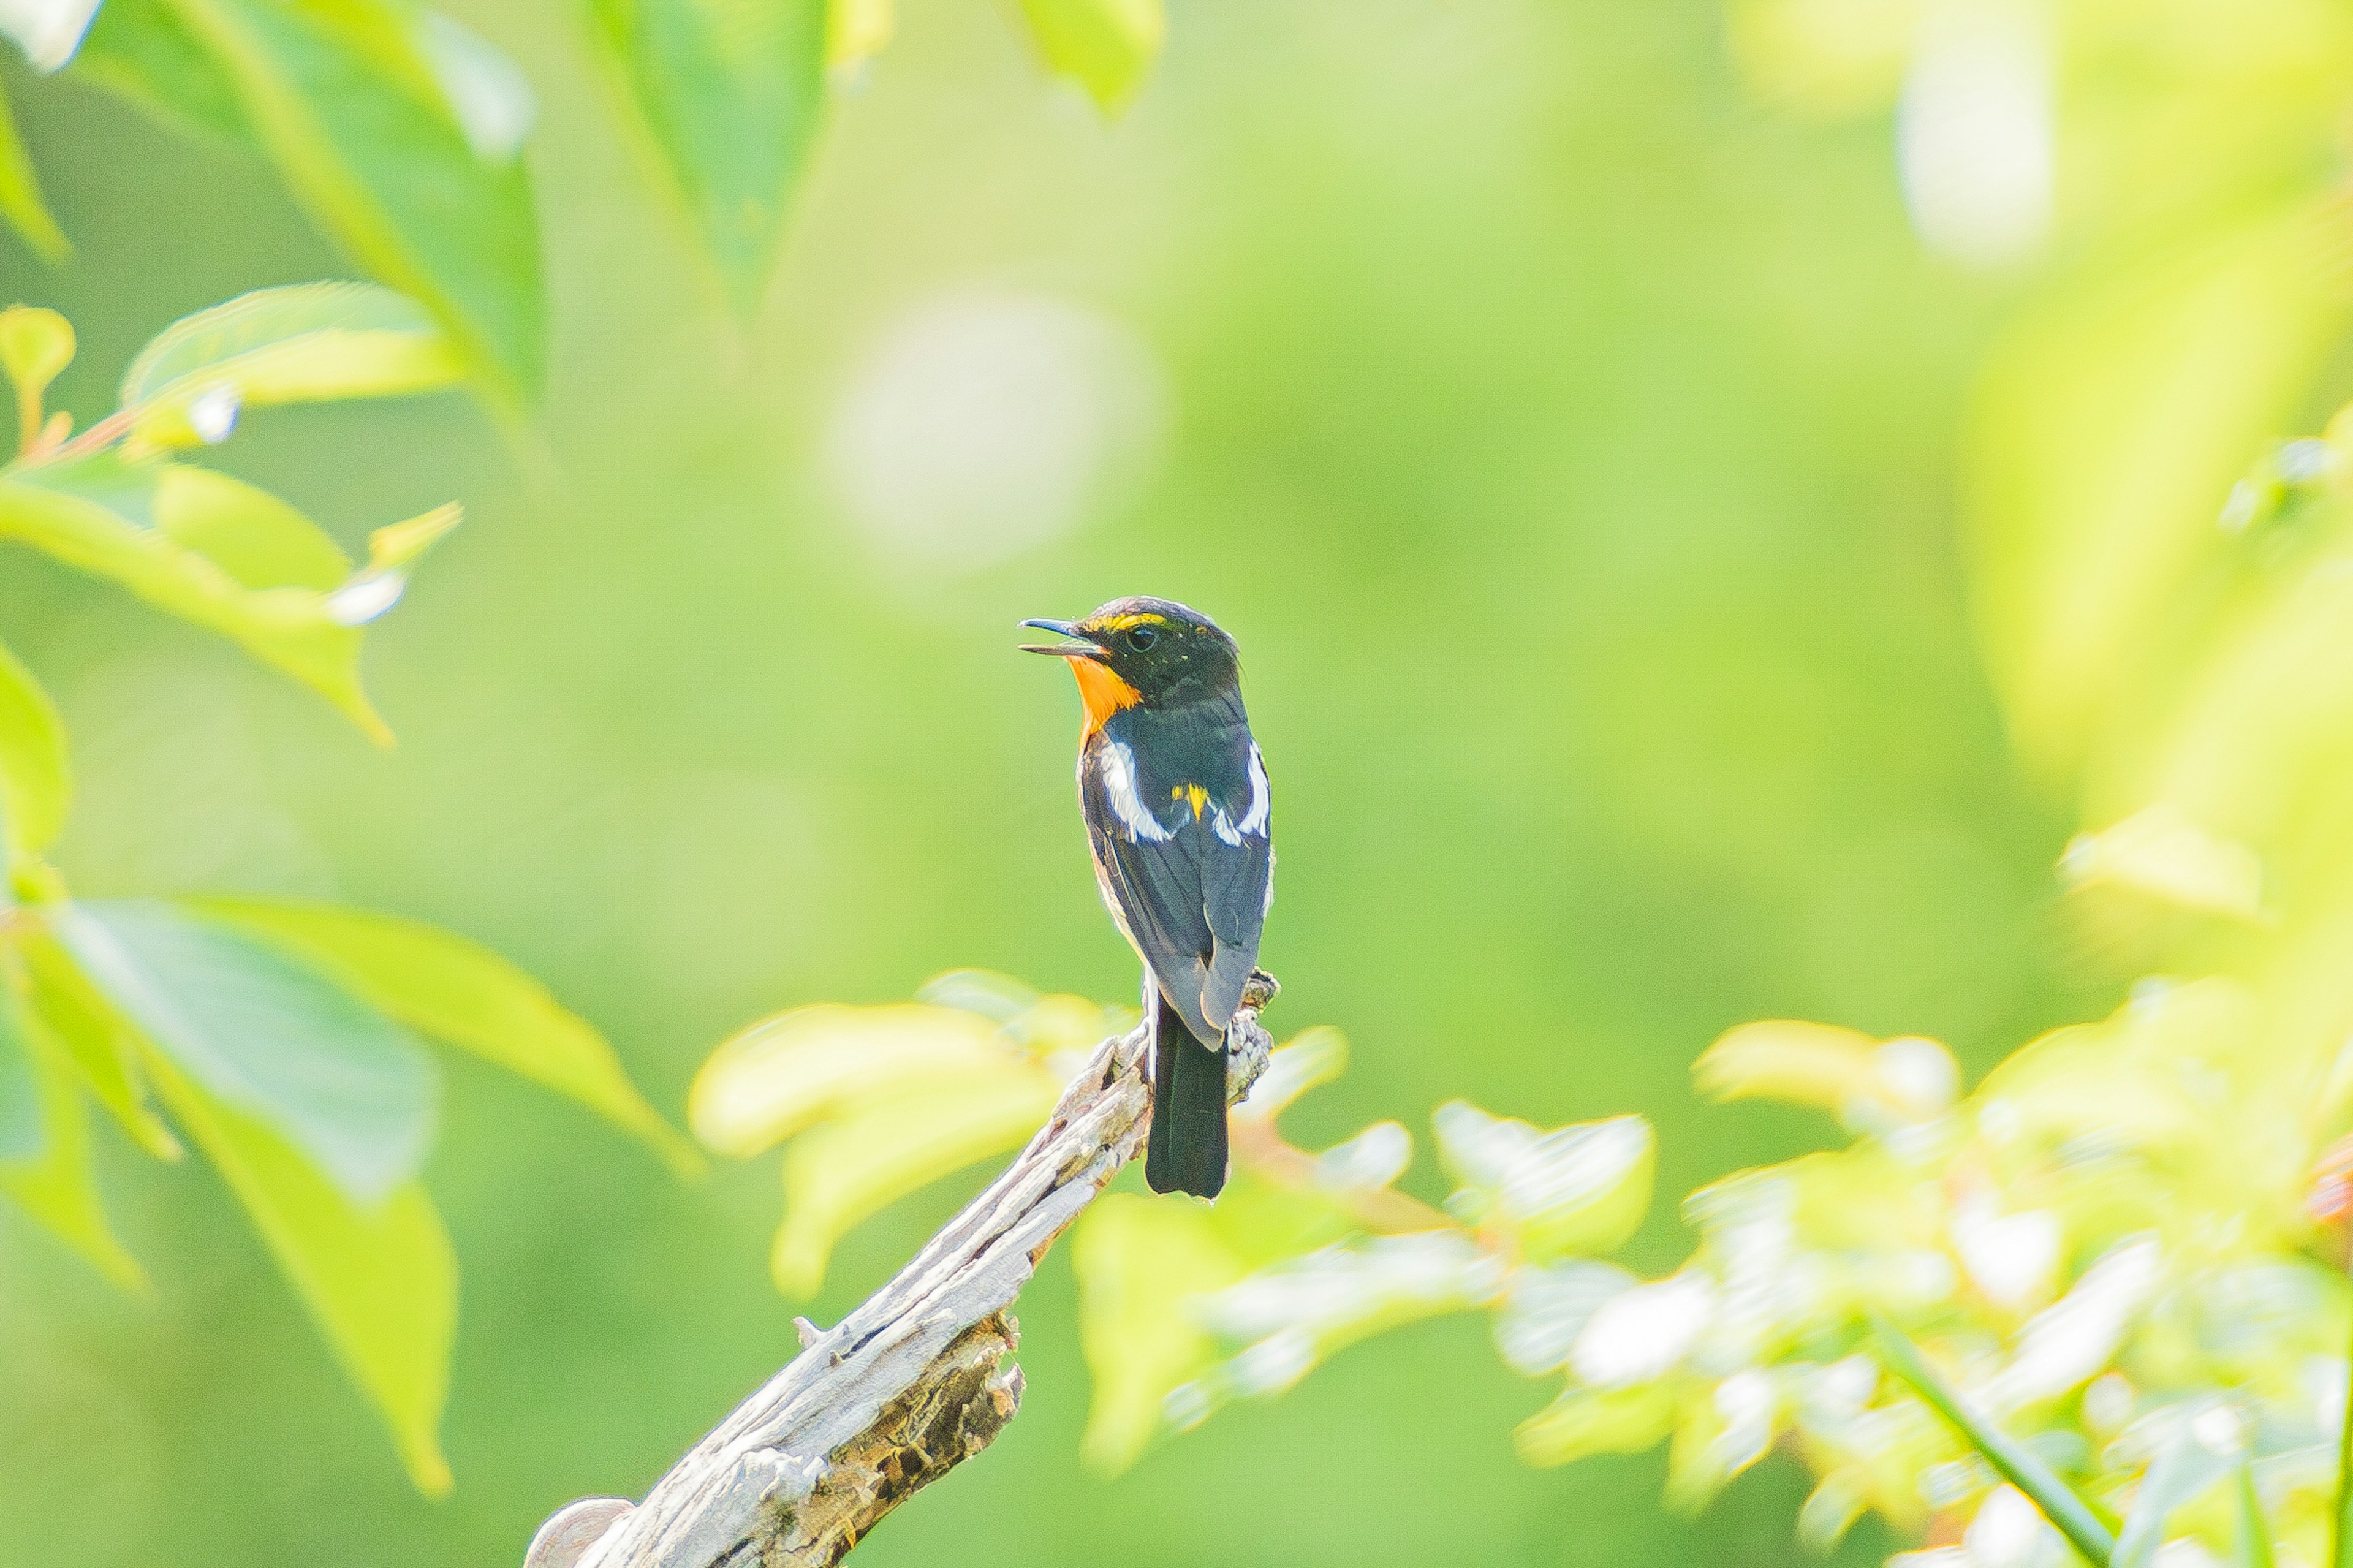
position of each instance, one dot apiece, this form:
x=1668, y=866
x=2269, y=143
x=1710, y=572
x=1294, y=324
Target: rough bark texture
x=912, y=1384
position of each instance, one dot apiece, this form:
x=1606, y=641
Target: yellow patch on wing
x=1193, y=795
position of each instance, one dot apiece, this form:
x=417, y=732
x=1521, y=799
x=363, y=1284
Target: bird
x=1179, y=823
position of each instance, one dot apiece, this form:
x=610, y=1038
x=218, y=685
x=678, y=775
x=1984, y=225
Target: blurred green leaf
x=461, y=991
x=2183, y=1468
x=2162, y=853
x=733, y=97
x=1584, y=1422
x=1583, y=1188
x=1308, y=1060
x=2108, y=428
x=98, y=513
x=305, y=342
x=789, y=1071
x=248, y=533
x=35, y=345
x=36, y=778
x=1105, y=45
x=380, y=1279
x=20, y=195
x=266, y=1034
x=58, y=1188
x=102, y=1048
x=20, y=1094
x=851, y=1167
x=1868, y=1084
x=2009, y=1458
x=2252, y=1537
x=855, y=31
x=1141, y=1263
x=142, y=49
x=356, y=119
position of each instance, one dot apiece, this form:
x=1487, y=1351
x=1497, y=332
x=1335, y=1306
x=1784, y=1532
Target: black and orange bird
x=1176, y=801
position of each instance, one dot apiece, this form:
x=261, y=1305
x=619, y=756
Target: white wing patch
x=1261, y=801
x=1119, y=784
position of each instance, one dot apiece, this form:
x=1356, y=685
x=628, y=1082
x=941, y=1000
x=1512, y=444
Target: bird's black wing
x=1177, y=808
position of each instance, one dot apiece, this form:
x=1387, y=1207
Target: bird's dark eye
x=1142, y=637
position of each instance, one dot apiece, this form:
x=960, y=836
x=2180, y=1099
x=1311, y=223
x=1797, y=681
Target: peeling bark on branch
x=912, y=1384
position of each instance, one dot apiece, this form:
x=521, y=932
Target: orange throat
x=1101, y=692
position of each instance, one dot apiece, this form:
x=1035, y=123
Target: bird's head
x=1145, y=652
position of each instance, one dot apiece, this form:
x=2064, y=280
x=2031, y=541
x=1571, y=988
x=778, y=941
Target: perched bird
x=1176, y=801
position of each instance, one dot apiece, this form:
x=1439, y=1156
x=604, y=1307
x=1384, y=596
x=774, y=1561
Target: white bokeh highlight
x=980, y=425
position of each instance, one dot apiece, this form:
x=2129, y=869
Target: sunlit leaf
x=786, y=1072
x=853, y=1166
x=461, y=991
x=1546, y=1308
x=2160, y=852
x=733, y=97
x=379, y=1280
x=2109, y=427
x=1105, y=45
x=1721, y=1435
x=1295, y=1314
x=855, y=31
x=1309, y=1059
x=35, y=779
x=35, y=345
x=21, y=203
x=356, y=120
x=1140, y=1263
x=1639, y=1335
x=98, y=513
x=248, y=533
x=267, y=1035
x=305, y=342
x=1584, y=1422
x=1868, y=1084
x=1582, y=1188
x=102, y=1048
x=57, y=1187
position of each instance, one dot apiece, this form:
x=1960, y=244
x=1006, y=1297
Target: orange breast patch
x=1101, y=693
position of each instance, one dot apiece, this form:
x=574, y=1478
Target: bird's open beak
x=1082, y=647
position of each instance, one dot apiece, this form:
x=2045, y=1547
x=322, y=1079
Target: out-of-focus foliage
x=401, y=131
x=273, y=1035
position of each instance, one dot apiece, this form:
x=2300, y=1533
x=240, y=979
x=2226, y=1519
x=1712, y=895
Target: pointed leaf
x=462, y=993
x=57, y=1187
x=795, y=1069
x=267, y=1035
x=303, y=343
x=1105, y=45
x=248, y=533
x=1584, y=1422
x=102, y=1048
x=380, y=1280
x=35, y=779
x=1140, y=1263
x=99, y=514
x=20, y=195
x=843, y=1171
x=357, y=119
x=1582, y=1188
x=731, y=97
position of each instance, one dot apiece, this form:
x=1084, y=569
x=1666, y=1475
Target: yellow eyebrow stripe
x=1135, y=618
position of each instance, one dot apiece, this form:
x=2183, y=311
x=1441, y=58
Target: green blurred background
x=1569, y=444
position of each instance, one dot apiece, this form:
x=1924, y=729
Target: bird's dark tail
x=1187, y=1153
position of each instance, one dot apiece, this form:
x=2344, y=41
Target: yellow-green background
x=1567, y=440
